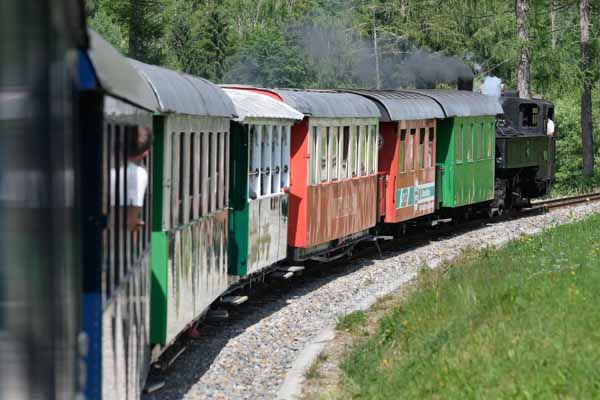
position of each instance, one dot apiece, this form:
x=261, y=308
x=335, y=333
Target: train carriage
x=464, y=149
x=259, y=178
x=115, y=104
x=191, y=196
x=407, y=152
x=40, y=263
x=333, y=182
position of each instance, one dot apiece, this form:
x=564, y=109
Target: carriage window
x=333, y=153
x=276, y=160
x=174, y=179
x=362, y=151
x=285, y=156
x=226, y=160
x=410, y=147
x=182, y=167
x=197, y=167
x=221, y=170
x=482, y=145
x=491, y=139
x=374, y=149
x=313, y=156
x=458, y=149
x=352, y=152
x=266, y=160
x=322, y=150
x=254, y=158
x=421, y=147
x=401, y=151
x=529, y=115
x=476, y=141
x=468, y=142
x=344, y=143
x=192, y=175
x=430, y=147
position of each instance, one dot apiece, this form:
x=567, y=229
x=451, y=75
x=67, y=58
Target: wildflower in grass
x=405, y=323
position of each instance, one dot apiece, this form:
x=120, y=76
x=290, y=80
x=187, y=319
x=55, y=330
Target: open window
x=402, y=152
x=333, y=153
x=344, y=147
x=254, y=162
x=421, y=149
x=529, y=115
x=322, y=151
x=285, y=156
x=373, y=149
x=353, y=152
x=430, y=159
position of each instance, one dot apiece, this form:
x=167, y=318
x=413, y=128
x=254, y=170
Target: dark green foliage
x=268, y=58
x=329, y=43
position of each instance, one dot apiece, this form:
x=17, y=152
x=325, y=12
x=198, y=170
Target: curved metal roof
x=255, y=105
x=396, y=105
x=116, y=76
x=185, y=94
x=462, y=103
x=329, y=104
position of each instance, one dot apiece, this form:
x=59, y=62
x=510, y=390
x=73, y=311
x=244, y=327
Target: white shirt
x=550, y=128
x=137, y=182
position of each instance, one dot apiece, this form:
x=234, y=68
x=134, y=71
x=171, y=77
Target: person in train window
x=139, y=143
x=550, y=128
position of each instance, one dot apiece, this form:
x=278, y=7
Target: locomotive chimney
x=464, y=83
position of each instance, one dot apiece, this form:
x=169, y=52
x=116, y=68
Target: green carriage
x=260, y=176
x=191, y=190
x=465, y=149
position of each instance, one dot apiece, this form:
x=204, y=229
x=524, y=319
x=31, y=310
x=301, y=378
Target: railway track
x=274, y=293
x=551, y=204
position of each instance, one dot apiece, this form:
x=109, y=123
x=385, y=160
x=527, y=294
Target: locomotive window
x=430, y=148
x=344, y=143
x=254, y=163
x=362, y=151
x=374, y=148
x=410, y=147
x=285, y=156
x=529, y=115
x=401, y=150
x=421, y=160
x=322, y=150
x=333, y=153
x=276, y=160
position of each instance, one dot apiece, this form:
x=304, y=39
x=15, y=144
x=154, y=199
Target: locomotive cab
x=524, y=151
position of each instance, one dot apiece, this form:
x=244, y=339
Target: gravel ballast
x=250, y=356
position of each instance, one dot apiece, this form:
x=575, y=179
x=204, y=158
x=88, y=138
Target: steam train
x=241, y=182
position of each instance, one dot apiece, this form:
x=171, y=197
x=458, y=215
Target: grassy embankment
x=522, y=321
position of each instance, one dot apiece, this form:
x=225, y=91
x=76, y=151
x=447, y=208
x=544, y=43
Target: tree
x=522, y=11
x=587, y=138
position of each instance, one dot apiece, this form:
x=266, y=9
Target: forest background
x=333, y=43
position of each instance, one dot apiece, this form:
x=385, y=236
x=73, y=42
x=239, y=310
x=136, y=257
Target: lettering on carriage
x=343, y=206
x=416, y=196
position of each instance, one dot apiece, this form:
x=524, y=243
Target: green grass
x=352, y=322
x=314, y=371
x=519, y=322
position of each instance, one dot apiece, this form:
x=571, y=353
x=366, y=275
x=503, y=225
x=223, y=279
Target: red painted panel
x=298, y=184
x=339, y=209
x=413, y=176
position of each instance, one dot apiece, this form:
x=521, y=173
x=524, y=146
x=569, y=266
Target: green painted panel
x=467, y=174
x=157, y=172
x=159, y=288
x=524, y=152
x=238, y=200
